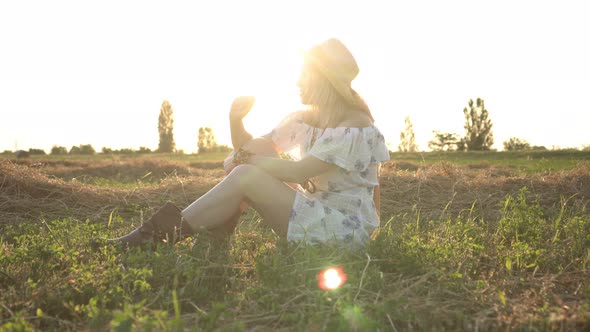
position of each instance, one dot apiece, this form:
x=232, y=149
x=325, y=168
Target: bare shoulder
x=356, y=119
x=307, y=116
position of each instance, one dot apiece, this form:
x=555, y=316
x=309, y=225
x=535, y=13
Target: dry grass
x=446, y=188
x=52, y=188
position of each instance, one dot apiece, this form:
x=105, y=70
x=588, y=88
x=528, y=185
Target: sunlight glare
x=331, y=278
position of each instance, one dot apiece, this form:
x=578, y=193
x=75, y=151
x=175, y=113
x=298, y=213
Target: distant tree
x=75, y=150
x=206, y=140
x=106, y=150
x=87, y=149
x=516, y=144
x=37, y=152
x=166, y=128
x=125, y=151
x=407, y=138
x=143, y=150
x=478, y=128
x=586, y=148
x=22, y=154
x=538, y=148
x=445, y=142
x=223, y=148
x=58, y=150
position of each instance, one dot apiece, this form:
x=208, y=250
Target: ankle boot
x=166, y=225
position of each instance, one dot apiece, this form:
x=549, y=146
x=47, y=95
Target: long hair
x=324, y=98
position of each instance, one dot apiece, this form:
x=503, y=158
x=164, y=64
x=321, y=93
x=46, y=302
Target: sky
x=97, y=72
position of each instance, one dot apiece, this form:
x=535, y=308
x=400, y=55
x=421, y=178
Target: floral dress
x=342, y=206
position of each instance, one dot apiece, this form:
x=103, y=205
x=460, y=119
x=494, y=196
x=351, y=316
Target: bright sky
x=82, y=72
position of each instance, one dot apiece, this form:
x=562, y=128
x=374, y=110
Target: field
x=468, y=242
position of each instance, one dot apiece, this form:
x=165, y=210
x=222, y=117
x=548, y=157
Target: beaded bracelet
x=242, y=156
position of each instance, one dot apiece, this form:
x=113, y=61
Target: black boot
x=166, y=225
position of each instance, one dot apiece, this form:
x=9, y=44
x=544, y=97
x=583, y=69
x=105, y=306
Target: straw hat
x=337, y=64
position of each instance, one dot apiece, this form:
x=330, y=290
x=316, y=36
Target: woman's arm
x=293, y=171
x=377, y=200
x=239, y=135
x=240, y=107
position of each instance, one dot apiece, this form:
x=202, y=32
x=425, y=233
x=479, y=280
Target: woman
x=336, y=152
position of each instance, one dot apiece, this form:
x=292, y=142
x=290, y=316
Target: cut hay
x=443, y=188
x=29, y=192
x=51, y=189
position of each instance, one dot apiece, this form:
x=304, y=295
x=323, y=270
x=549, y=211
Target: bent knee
x=247, y=175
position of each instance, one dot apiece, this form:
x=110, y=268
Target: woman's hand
x=241, y=106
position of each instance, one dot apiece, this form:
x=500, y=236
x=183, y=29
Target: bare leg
x=261, y=147
x=272, y=198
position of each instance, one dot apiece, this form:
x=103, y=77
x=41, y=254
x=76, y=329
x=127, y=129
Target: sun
x=259, y=67
x=272, y=78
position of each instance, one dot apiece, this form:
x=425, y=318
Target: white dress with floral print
x=342, y=206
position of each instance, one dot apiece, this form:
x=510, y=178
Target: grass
x=523, y=266
x=526, y=162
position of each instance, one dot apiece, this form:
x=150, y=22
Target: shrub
x=75, y=150
x=37, y=151
x=87, y=149
x=516, y=144
x=59, y=150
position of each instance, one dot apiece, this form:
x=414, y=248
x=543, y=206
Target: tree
x=446, y=142
x=75, y=150
x=33, y=151
x=87, y=149
x=206, y=140
x=165, y=128
x=478, y=128
x=407, y=138
x=516, y=144
x=59, y=150
x=144, y=150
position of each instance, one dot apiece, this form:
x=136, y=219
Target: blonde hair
x=325, y=98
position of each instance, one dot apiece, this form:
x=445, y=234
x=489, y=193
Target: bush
x=75, y=150
x=22, y=154
x=125, y=151
x=516, y=144
x=144, y=150
x=59, y=150
x=37, y=152
x=87, y=149
x=538, y=148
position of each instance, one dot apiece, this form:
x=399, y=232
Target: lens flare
x=331, y=278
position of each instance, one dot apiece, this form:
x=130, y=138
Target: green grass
x=526, y=271
x=524, y=161
x=197, y=157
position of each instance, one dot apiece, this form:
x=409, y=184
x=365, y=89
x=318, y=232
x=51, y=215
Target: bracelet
x=242, y=156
